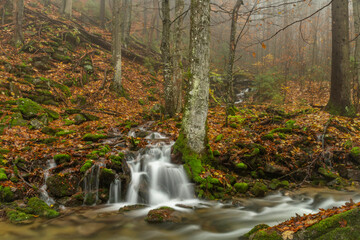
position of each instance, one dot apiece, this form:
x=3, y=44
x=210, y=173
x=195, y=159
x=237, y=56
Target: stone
x=36, y=124
x=275, y=169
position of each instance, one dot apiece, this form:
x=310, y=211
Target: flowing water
x=43, y=189
x=157, y=182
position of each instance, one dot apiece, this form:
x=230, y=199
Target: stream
x=157, y=182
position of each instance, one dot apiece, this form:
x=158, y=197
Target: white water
x=155, y=179
x=91, y=182
x=43, y=189
x=115, y=191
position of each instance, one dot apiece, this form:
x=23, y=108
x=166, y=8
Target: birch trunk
x=340, y=92
x=196, y=110
x=117, y=44
x=18, y=20
x=166, y=58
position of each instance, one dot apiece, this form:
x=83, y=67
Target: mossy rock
x=3, y=176
x=62, y=185
x=62, y=158
x=40, y=208
x=51, y=131
x=6, y=195
x=241, y=166
x=355, y=154
x=214, y=181
x=255, y=230
x=107, y=176
x=233, y=125
x=90, y=117
x=68, y=122
x=259, y=189
x=129, y=208
x=269, y=136
x=64, y=133
x=17, y=120
x=79, y=119
x=216, y=153
x=266, y=235
x=219, y=138
x=327, y=173
x=241, y=187
x=162, y=215
x=87, y=165
x=290, y=124
x=52, y=113
x=19, y=217
x=61, y=58
x=281, y=130
x=28, y=108
x=93, y=137
x=72, y=111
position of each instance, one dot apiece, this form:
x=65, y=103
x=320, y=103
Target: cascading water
x=91, y=184
x=155, y=179
x=43, y=189
x=115, y=191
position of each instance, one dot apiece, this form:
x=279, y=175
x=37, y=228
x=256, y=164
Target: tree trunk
x=46, y=3
x=166, y=58
x=18, y=20
x=196, y=110
x=177, y=57
x=340, y=92
x=117, y=44
x=230, y=66
x=102, y=13
x=356, y=7
x=145, y=32
x=126, y=22
x=152, y=24
x=68, y=8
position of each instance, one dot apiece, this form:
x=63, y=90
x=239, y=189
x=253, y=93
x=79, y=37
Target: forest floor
x=54, y=101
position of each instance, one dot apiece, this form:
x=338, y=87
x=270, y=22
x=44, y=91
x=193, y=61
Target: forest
x=180, y=119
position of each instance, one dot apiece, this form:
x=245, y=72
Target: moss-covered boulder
x=107, y=176
x=241, y=166
x=3, y=176
x=327, y=173
x=40, y=208
x=62, y=185
x=17, y=120
x=162, y=215
x=87, y=165
x=62, y=158
x=79, y=119
x=19, y=217
x=241, y=187
x=259, y=189
x=28, y=108
x=6, y=195
x=355, y=154
x=254, y=230
x=93, y=137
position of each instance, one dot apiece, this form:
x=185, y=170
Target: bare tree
x=66, y=8
x=102, y=13
x=18, y=13
x=340, y=93
x=117, y=44
x=126, y=21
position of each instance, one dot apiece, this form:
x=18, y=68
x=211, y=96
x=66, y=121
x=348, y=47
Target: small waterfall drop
x=115, y=191
x=91, y=184
x=43, y=189
x=154, y=179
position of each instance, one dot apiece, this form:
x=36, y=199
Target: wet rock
x=259, y=189
x=162, y=215
x=354, y=174
x=241, y=187
x=61, y=158
x=62, y=185
x=327, y=173
x=40, y=208
x=143, y=193
x=107, y=176
x=132, y=208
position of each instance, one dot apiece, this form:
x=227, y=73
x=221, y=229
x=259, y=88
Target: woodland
x=180, y=119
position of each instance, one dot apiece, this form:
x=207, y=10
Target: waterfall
x=91, y=184
x=43, y=189
x=115, y=191
x=154, y=179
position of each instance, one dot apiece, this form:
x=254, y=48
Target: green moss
x=214, y=181
x=117, y=160
x=141, y=102
x=87, y=165
x=327, y=173
x=52, y=114
x=269, y=136
x=219, y=138
x=28, y=108
x=256, y=229
x=193, y=161
x=62, y=158
x=265, y=235
x=40, y=208
x=355, y=152
x=241, y=187
x=62, y=184
x=259, y=189
x=71, y=111
x=64, y=133
x=290, y=124
x=4, y=151
x=6, y=195
x=216, y=153
x=3, y=176
x=18, y=217
x=281, y=130
x=241, y=166
x=233, y=125
x=17, y=120
x=282, y=136
x=93, y=137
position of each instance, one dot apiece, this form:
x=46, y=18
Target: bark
x=196, y=110
x=340, y=92
x=145, y=20
x=356, y=7
x=126, y=22
x=177, y=56
x=152, y=24
x=102, y=13
x=18, y=20
x=166, y=58
x=231, y=59
x=68, y=8
x=117, y=44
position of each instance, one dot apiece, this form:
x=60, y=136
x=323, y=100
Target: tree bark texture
x=196, y=110
x=340, y=92
x=117, y=43
x=18, y=14
x=177, y=56
x=232, y=49
x=166, y=58
x=356, y=7
x=126, y=22
x=102, y=13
